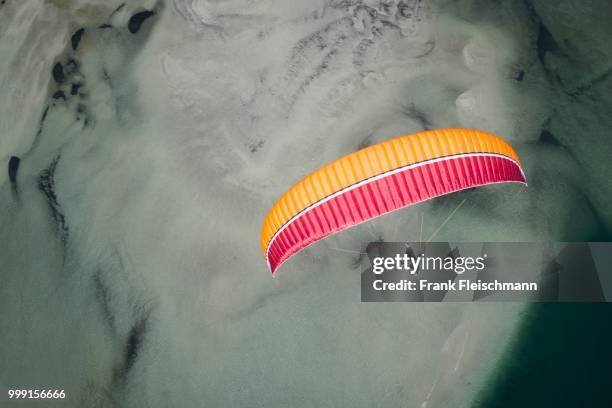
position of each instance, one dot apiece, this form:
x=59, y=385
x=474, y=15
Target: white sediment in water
x=131, y=267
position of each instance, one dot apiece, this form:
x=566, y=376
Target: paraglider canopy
x=382, y=178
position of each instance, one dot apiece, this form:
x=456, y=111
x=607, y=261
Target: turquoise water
x=561, y=358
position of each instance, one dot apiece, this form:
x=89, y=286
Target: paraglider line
x=446, y=220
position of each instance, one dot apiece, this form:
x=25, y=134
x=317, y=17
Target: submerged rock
x=76, y=38
x=137, y=19
x=59, y=95
x=13, y=167
x=74, y=89
x=58, y=73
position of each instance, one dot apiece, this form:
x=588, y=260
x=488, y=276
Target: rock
x=58, y=73
x=13, y=166
x=137, y=19
x=76, y=38
x=59, y=95
x=74, y=89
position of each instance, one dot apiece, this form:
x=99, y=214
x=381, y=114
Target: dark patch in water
x=58, y=73
x=548, y=138
x=545, y=42
x=13, y=167
x=59, y=95
x=137, y=19
x=76, y=38
x=74, y=89
x=134, y=342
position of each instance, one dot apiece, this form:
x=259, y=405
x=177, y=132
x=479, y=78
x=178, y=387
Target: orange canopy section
x=382, y=178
